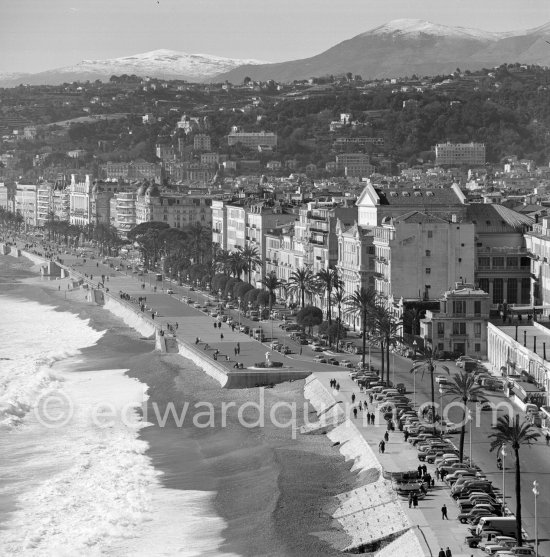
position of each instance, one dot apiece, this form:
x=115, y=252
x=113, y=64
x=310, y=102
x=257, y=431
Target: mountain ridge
x=397, y=48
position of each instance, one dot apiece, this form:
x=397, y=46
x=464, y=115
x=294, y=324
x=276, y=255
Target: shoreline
x=328, y=474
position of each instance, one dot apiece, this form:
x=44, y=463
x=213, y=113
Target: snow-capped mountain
x=166, y=64
x=416, y=27
x=410, y=46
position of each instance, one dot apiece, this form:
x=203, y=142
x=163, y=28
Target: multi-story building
x=202, y=142
x=219, y=223
x=374, y=203
x=354, y=165
x=26, y=203
x=210, y=158
x=458, y=154
x=179, y=211
x=502, y=257
x=52, y=201
x=252, y=140
x=80, y=201
x=460, y=325
x=345, y=142
x=355, y=257
x=538, y=245
x=125, y=216
x=7, y=197
x=418, y=256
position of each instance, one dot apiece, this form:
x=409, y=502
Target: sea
x=75, y=478
x=84, y=471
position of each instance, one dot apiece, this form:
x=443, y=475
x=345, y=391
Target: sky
x=38, y=35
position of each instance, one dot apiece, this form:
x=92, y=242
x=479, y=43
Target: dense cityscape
x=369, y=257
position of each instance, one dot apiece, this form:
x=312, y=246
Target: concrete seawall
x=370, y=514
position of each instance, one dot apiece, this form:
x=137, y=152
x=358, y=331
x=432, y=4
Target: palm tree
x=428, y=363
x=338, y=298
x=301, y=281
x=515, y=434
x=251, y=258
x=200, y=237
x=327, y=280
x=271, y=282
x=362, y=303
x=237, y=263
x=388, y=328
x=464, y=387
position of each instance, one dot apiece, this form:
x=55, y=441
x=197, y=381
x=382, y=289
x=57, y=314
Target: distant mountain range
x=164, y=64
x=398, y=48
x=408, y=46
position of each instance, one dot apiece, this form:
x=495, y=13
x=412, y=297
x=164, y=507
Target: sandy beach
x=274, y=492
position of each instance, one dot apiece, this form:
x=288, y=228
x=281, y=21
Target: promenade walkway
x=400, y=455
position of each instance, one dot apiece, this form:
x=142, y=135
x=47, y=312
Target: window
x=498, y=262
x=498, y=291
x=477, y=307
x=484, y=262
x=459, y=307
x=430, y=234
x=428, y=270
x=428, y=253
x=477, y=347
x=477, y=330
x=459, y=328
x=512, y=262
x=525, y=290
x=441, y=347
x=512, y=291
x=440, y=329
x=483, y=284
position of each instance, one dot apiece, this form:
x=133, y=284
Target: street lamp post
x=470, y=433
x=536, y=493
x=503, y=454
x=239, y=300
x=415, y=344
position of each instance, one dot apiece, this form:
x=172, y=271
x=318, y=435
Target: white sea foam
x=33, y=337
x=86, y=488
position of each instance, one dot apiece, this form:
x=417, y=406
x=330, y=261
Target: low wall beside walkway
x=130, y=316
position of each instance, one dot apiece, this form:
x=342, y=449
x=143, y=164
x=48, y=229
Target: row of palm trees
x=509, y=431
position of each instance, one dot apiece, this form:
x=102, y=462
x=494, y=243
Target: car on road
x=169, y=291
x=333, y=361
x=316, y=347
x=245, y=329
x=321, y=359
x=346, y=363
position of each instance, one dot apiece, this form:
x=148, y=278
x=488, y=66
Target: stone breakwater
x=370, y=514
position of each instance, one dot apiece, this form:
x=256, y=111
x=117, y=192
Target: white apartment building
x=80, y=201
x=7, y=200
x=26, y=203
x=52, y=200
x=179, y=211
x=457, y=154
x=202, y=142
x=252, y=140
x=419, y=256
x=125, y=215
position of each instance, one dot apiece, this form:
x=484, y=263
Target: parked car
x=346, y=363
x=333, y=361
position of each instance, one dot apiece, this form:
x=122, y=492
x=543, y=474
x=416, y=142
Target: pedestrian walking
x=406, y=435
x=386, y=436
x=415, y=501
x=448, y=553
x=444, y=512
x=215, y=326
x=235, y=350
x=424, y=470
x=372, y=418
x=437, y=473
x=419, y=469
x=338, y=386
x=441, y=553
x=360, y=406
x=221, y=336
x=410, y=500
x=547, y=439
x=353, y=398
x=381, y=446
x=355, y=413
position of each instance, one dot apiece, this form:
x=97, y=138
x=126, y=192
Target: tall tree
x=271, y=282
x=428, y=364
x=465, y=388
x=301, y=281
x=338, y=298
x=251, y=258
x=515, y=434
x=362, y=302
x=388, y=328
x=327, y=280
